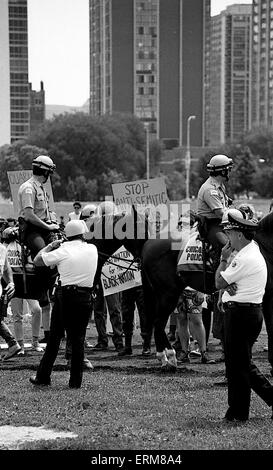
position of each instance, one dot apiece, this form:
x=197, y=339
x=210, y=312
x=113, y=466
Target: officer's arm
x=38, y=260
x=29, y=216
x=220, y=282
x=219, y=213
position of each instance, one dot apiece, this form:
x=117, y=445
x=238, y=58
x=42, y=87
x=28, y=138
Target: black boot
x=127, y=350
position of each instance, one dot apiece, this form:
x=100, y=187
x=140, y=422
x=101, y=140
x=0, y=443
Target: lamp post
x=146, y=126
x=188, y=159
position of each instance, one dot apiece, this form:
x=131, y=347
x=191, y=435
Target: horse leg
x=268, y=319
x=165, y=305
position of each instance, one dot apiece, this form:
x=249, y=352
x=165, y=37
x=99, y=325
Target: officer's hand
x=53, y=227
x=55, y=244
x=226, y=250
x=10, y=289
x=232, y=289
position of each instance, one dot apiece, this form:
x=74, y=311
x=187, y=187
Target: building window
x=141, y=30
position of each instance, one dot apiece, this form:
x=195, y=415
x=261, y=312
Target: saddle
x=211, y=254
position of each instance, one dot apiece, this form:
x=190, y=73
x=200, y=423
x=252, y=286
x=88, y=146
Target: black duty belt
x=241, y=304
x=74, y=288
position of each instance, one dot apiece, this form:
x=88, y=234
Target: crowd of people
x=240, y=281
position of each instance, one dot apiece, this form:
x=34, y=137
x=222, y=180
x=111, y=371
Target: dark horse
x=162, y=285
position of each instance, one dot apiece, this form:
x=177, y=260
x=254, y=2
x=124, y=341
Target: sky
x=58, y=44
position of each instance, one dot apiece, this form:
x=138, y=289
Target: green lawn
x=130, y=404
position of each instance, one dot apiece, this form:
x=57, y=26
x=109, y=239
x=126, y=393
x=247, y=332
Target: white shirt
x=74, y=216
x=76, y=262
x=248, y=270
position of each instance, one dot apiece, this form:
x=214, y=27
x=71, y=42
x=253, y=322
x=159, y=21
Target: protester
x=17, y=309
x=76, y=214
x=73, y=299
x=130, y=299
x=14, y=255
x=189, y=320
x=6, y=275
x=243, y=281
x=112, y=304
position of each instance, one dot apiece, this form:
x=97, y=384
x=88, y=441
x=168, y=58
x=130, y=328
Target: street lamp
x=146, y=126
x=188, y=159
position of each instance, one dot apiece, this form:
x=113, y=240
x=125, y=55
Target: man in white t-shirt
x=75, y=215
x=243, y=316
x=76, y=262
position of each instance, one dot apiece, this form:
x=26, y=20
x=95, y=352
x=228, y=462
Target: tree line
x=91, y=153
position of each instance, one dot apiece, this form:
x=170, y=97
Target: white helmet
x=107, y=207
x=44, y=163
x=88, y=210
x=219, y=162
x=75, y=227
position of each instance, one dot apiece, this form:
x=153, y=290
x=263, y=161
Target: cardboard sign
x=117, y=277
x=142, y=193
x=16, y=178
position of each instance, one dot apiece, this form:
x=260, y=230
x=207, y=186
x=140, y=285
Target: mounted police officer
x=212, y=200
x=35, y=222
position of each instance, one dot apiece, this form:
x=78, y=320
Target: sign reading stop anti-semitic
x=16, y=178
x=119, y=273
x=141, y=194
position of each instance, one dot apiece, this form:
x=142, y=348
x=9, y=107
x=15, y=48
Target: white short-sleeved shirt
x=76, y=262
x=248, y=270
x=32, y=194
x=74, y=216
x=211, y=196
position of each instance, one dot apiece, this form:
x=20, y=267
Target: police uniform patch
x=28, y=191
x=214, y=192
x=233, y=264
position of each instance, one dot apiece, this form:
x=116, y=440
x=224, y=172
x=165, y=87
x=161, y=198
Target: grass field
x=127, y=403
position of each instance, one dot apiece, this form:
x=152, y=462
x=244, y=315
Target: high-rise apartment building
x=37, y=107
x=230, y=83
x=262, y=64
x=14, y=88
x=151, y=58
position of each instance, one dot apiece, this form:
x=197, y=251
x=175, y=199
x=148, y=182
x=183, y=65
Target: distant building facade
x=151, y=58
x=37, y=107
x=262, y=64
x=14, y=88
x=230, y=75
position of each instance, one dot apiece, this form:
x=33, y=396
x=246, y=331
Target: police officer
x=34, y=214
x=77, y=263
x=212, y=200
x=243, y=314
x=35, y=222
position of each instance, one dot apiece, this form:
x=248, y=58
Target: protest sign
x=117, y=277
x=141, y=194
x=16, y=178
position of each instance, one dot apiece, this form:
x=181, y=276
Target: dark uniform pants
x=70, y=313
x=242, y=326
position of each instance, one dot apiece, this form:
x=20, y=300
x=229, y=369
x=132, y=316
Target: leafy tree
x=17, y=156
